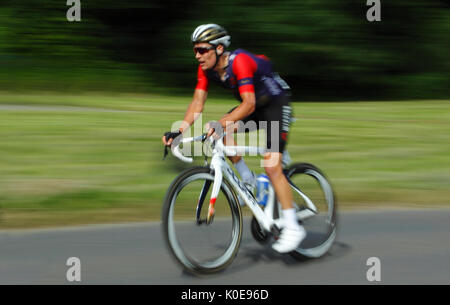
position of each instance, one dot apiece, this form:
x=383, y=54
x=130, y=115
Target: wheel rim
x=321, y=229
x=194, y=253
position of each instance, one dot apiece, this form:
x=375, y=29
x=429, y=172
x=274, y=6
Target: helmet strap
x=217, y=58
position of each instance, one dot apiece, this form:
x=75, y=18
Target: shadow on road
x=252, y=254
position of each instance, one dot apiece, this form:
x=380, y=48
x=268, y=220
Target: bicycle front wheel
x=316, y=207
x=198, y=246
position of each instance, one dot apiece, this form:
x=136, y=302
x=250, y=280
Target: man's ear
x=220, y=49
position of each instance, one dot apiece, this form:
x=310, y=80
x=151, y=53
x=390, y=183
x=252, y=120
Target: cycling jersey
x=247, y=72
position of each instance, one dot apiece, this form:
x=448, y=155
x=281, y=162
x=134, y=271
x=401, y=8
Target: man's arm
x=193, y=111
x=242, y=111
x=244, y=68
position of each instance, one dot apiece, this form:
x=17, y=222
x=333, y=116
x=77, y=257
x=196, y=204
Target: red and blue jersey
x=246, y=72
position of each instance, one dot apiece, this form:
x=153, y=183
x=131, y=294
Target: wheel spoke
x=316, y=209
x=201, y=248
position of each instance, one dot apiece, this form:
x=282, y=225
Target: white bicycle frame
x=223, y=170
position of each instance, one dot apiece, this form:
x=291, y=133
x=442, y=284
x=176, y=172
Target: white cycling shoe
x=289, y=239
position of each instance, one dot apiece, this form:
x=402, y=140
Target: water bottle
x=262, y=189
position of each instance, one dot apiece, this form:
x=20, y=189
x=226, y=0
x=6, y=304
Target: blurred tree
x=325, y=49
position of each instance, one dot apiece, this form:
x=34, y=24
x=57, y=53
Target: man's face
x=208, y=58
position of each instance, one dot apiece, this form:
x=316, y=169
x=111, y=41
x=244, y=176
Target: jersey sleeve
x=244, y=67
x=202, y=79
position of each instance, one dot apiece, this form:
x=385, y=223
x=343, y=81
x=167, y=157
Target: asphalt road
x=413, y=247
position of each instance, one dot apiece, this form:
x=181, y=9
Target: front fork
x=201, y=199
x=215, y=165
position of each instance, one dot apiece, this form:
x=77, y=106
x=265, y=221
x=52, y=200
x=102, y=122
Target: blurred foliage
x=325, y=49
x=100, y=160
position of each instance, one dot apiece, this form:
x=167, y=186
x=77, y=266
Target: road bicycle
x=205, y=239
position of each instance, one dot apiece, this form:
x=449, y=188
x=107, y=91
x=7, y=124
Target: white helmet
x=211, y=33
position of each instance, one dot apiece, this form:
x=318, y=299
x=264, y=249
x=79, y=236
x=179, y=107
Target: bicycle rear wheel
x=308, y=182
x=200, y=247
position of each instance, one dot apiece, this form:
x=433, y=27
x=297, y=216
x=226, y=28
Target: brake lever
x=204, y=138
x=166, y=151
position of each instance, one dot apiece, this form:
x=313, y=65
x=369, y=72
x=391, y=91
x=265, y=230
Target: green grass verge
x=63, y=166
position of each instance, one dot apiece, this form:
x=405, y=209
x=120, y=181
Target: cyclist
x=264, y=96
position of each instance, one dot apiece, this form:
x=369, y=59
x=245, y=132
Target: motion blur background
x=139, y=45
x=83, y=105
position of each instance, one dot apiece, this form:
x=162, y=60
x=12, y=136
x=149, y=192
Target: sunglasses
x=202, y=50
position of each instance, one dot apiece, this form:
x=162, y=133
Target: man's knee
x=272, y=164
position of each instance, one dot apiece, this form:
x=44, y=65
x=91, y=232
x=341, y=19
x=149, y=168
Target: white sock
x=290, y=218
x=244, y=171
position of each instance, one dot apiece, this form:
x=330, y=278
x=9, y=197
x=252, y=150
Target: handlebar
x=218, y=146
x=177, y=151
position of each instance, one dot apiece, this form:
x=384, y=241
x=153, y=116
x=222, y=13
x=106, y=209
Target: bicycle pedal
x=275, y=231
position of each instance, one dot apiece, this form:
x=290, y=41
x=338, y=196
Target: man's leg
x=293, y=233
x=248, y=177
x=238, y=162
x=279, y=182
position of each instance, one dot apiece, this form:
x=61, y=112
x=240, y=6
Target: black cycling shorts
x=275, y=118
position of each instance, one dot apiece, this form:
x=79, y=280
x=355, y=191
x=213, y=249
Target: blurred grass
x=103, y=162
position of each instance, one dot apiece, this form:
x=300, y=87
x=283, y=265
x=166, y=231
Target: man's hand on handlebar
x=168, y=137
x=215, y=129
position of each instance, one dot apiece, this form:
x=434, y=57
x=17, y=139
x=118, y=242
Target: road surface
x=413, y=247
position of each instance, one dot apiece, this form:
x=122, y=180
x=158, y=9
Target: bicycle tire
x=176, y=250
x=315, y=244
